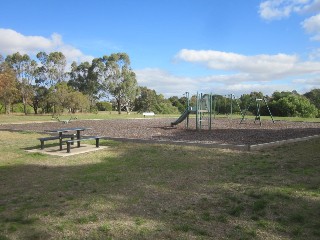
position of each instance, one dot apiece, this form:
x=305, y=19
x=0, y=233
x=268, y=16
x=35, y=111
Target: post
x=210, y=113
x=197, y=112
x=268, y=109
x=231, y=105
x=187, y=107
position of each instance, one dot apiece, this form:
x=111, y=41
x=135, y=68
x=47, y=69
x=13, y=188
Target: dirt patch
x=224, y=131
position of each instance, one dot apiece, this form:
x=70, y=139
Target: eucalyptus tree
x=120, y=80
x=86, y=78
x=52, y=69
x=24, y=69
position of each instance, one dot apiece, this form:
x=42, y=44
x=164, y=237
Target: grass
x=19, y=117
x=136, y=191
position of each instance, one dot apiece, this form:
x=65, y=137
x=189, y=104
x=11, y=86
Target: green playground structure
x=202, y=109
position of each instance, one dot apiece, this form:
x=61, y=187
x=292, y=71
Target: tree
x=164, y=106
x=86, y=78
x=149, y=101
x=293, y=105
x=146, y=101
x=63, y=97
x=77, y=101
x=314, y=97
x=120, y=80
x=40, y=99
x=8, y=87
x=25, y=69
x=104, y=106
x=175, y=101
x=52, y=69
x=278, y=95
x=248, y=101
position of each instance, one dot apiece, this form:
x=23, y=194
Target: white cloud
x=12, y=41
x=172, y=85
x=165, y=82
x=314, y=54
x=242, y=74
x=312, y=26
x=278, y=9
x=263, y=67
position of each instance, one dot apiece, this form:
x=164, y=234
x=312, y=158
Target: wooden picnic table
x=64, y=130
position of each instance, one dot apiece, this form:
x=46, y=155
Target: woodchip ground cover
x=224, y=131
x=138, y=191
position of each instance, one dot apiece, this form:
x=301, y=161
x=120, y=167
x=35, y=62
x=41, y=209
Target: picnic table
x=61, y=132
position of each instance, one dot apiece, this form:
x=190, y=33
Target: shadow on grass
x=163, y=192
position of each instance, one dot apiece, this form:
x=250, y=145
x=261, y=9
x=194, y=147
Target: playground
x=225, y=132
x=133, y=190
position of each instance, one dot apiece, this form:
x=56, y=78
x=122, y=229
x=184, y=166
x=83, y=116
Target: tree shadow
x=161, y=191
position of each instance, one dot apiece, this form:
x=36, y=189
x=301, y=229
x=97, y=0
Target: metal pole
x=197, y=112
x=231, y=105
x=210, y=113
x=268, y=109
x=188, y=107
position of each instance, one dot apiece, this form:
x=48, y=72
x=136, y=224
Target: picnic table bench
x=78, y=140
x=44, y=139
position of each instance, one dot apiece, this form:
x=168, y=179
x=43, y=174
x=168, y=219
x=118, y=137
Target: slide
x=184, y=115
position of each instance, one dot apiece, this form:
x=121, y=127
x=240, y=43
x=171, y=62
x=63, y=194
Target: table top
x=68, y=129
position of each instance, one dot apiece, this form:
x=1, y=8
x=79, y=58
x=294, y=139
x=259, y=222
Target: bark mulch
x=224, y=131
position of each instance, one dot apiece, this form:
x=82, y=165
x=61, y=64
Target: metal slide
x=184, y=115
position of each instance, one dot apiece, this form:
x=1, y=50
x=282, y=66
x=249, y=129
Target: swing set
x=258, y=108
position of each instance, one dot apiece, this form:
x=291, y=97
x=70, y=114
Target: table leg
x=78, y=137
x=60, y=140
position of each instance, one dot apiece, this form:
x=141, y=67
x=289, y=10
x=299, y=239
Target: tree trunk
x=128, y=109
x=35, y=106
x=24, y=100
x=119, y=106
x=7, y=108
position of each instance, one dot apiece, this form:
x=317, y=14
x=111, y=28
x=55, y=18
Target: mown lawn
x=21, y=118
x=151, y=191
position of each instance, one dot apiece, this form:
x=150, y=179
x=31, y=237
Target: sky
x=177, y=46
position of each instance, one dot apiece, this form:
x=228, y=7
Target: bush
x=294, y=106
x=104, y=106
x=18, y=108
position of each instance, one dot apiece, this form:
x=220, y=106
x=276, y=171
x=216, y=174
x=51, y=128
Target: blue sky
x=210, y=46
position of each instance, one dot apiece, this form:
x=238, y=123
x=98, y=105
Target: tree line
x=283, y=104
x=46, y=86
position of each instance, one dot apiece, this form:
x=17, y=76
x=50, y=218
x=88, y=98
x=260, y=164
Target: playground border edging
x=212, y=145
x=255, y=147
x=241, y=147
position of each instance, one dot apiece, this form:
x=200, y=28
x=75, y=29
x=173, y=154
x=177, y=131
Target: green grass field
x=20, y=118
x=151, y=191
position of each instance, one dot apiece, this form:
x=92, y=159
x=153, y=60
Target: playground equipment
x=57, y=117
x=226, y=103
x=258, y=106
x=203, y=111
